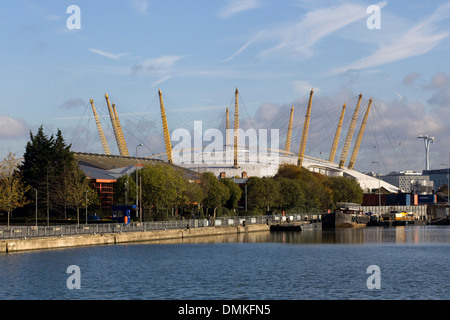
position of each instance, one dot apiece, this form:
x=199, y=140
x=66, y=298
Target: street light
x=86, y=207
x=36, y=205
x=379, y=187
x=448, y=181
x=137, y=181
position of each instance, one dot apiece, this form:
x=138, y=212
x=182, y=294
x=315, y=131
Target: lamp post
x=379, y=187
x=137, y=180
x=448, y=180
x=86, y=207
x=36, y=205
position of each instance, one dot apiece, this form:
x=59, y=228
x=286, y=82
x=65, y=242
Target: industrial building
x=409, y=181
x=440, y=177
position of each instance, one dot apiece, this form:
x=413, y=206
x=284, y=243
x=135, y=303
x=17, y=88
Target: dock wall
x=43, y=243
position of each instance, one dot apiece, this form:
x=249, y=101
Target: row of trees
x=293, y=188
x=165, y=188
x=298, y=189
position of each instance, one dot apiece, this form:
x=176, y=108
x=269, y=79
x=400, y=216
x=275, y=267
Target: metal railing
x=22, y=232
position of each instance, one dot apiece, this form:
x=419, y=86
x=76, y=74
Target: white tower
x=427, y=139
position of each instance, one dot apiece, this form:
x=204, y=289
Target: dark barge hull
x=342, y=219
x=444, y=221
x=285, y=227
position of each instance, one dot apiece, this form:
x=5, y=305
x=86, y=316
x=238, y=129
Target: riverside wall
x=57, y=242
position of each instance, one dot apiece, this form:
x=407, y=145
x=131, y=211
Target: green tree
x=125, y=189
x=194, y=194
x=163, y=187
x=272, y=192
x=263, y=193
x=318, y=196
x=47, y=162
x=234, y=191
x=12, y=187
x=215, y=193
x=291, y=194
x=345, y=190
x=37, y=167
x=255, y=190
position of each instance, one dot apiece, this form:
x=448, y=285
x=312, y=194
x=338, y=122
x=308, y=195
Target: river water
x=413, y=263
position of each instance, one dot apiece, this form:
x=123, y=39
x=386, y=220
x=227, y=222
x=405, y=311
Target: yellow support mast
x=120, y=132
x=227, y=130
x=359, y=139
x=351, y=129
x=100, y=130
x=165, y=129
x=236, y=128
x=301, y=153
x=287, y=146
x=114, y=124
x=337, y=135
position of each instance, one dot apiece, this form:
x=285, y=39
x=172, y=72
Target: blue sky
x=198, y=52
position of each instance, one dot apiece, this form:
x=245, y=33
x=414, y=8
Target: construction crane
x=120, y=132
x=351, y=129
x=427, y=139
x=301, y=153
x=165, y=129
x=287, y=146
x=359, y=138
x=122, y=150
x=100, y=130
x=336, y=136
x=236, y=128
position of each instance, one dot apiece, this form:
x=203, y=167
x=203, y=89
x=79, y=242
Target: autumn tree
x=79, y=190
x=12, y=187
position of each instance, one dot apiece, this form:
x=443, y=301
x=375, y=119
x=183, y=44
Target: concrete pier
x=43, y=243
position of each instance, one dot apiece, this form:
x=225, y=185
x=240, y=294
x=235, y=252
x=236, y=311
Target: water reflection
x=369, y=235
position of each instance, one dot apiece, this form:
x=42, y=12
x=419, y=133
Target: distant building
x=438, y=176
x=410, y=181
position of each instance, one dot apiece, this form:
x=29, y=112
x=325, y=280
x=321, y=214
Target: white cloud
x=440, y=79
x=140, y=5
x=162, y=68
x=418, y=40
x=12, y=128
x=241, y=49
x=303, y=87
x=159, y=65
x=73, y=103
x=115, y=56
x=161, y=80
x=236, y=6
x=299, y=38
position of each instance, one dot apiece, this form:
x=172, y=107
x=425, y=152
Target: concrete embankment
x=16, y=245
